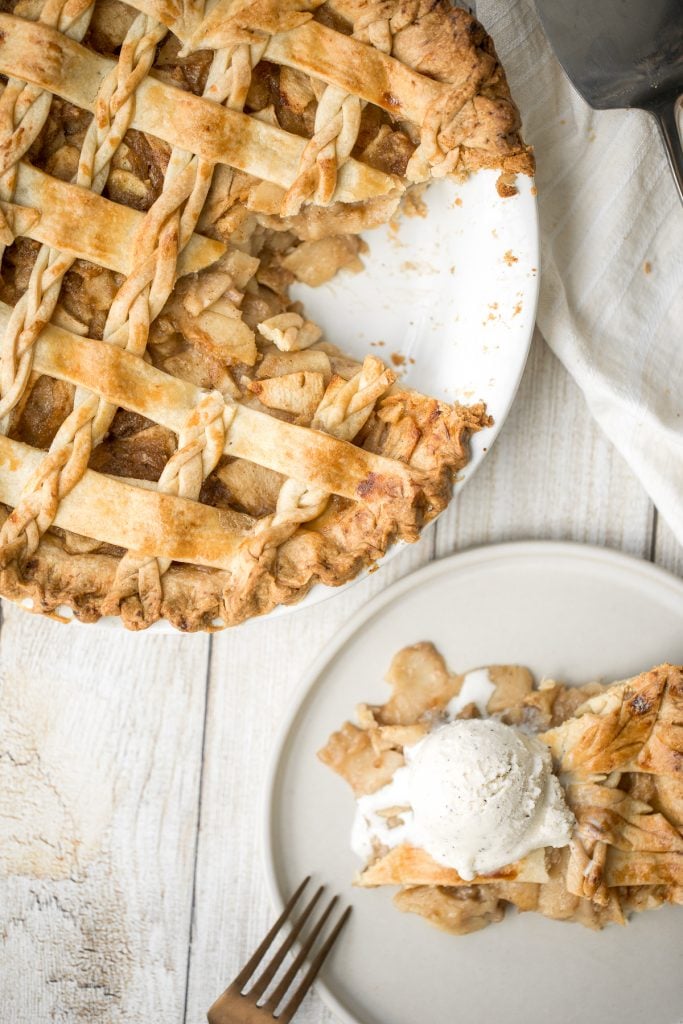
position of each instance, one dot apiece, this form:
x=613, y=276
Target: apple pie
x=618, y=752
x=177, y=439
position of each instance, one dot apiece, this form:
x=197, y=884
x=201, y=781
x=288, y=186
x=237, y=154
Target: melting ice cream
x=475, y=794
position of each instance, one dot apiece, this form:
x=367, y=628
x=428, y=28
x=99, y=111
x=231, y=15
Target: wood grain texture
x=101, y=807
x=551, y=474
x=100, y=753
x=667, y=552
x=257, y=669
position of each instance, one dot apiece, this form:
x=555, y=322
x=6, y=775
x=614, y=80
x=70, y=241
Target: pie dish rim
x=480, y=443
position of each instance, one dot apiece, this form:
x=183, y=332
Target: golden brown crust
x=332, y=551
x=148, y=333
x=474, y=124
x=637, y=726
x=620, y=753
x=407, y=865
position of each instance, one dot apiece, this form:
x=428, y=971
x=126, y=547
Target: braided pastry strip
x=24, y=108
x=259, y=437
x=431, y=158
x=137, y=588
x=114, y=112
x=344, y=409
x=163, y=233
x=200, y=445
x=54, y=478
x=230, y=75
x=377, y=24
x=586, y=870
x=337, y=122
x=230, y=85
x=128, y=325
x=174, y=115
x=141, y=298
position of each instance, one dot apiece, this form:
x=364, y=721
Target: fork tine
x=312, y=972
x=251, y=964
x=264, y=980
x=281, y=991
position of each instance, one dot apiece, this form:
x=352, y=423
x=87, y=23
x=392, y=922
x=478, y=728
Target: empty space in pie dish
x=447, y=298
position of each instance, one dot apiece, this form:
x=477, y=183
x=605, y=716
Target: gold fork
x=236, y=1006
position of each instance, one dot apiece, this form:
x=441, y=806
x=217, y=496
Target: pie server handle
x=668, y=111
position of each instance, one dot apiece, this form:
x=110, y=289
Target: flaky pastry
x=177, y=440
x=619, y=752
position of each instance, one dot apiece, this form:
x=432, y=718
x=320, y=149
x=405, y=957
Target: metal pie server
x=624, y=53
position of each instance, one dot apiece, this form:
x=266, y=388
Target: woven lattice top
x=177, y=439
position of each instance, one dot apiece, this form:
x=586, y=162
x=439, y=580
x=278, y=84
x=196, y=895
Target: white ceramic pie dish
x=564, y=610
x=448, y=299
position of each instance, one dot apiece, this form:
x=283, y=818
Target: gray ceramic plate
x=575, y=612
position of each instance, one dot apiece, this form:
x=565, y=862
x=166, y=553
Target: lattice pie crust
x=176, y=439
x=619, y=752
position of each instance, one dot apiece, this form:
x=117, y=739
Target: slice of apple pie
x=481, y=790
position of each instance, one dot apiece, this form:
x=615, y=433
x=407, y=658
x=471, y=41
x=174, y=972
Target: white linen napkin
x=611, y=303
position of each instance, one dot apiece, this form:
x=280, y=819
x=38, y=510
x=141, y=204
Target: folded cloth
x=611, y=303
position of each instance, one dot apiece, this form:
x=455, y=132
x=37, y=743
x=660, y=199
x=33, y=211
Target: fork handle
x=666, y=110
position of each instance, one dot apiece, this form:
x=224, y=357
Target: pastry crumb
x=414, y=205
x=506, y=186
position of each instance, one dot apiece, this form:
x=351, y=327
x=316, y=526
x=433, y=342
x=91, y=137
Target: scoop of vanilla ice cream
x=484, y=795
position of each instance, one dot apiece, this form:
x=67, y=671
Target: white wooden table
x=132, y=766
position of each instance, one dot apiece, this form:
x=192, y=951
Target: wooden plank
x=100, y=751
x=526, y=488
x=259, y=669
x=667, y=551
x=551, y=475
